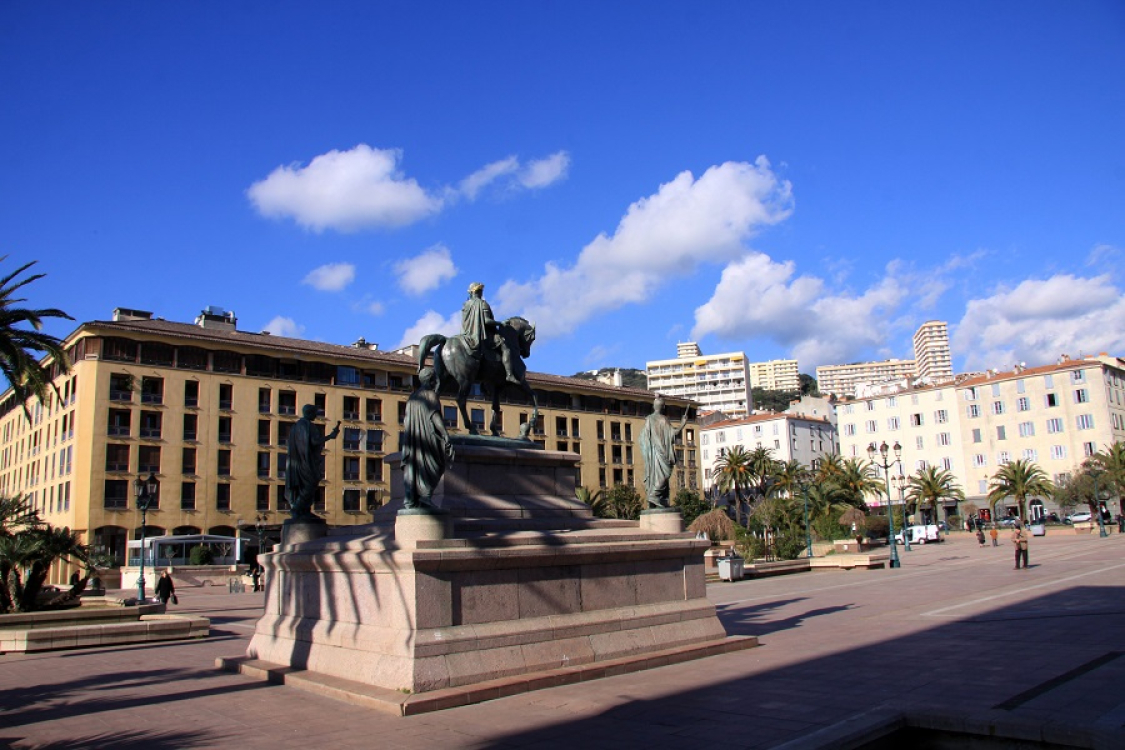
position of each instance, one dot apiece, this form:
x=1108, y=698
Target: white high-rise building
x=934, y=362
x=775, y=375
x=719, y=382
x=842, y=380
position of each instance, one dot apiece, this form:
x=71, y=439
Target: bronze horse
x=454, y=361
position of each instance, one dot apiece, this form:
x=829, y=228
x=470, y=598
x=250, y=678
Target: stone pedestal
x=298, y=532
x=516, y=578
x=662, y=520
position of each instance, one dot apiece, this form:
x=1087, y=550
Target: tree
x=1112, y=461
x=1019, y=479
x=28, y=548
x=624, y=502
x=788, y=477
x=776, y=401
x=857, y=479
x=733, y=473
x=928, y=487
x=763, y=472
x=691, y=505
x=809, y=386
x=20, y=348
x=596, y=500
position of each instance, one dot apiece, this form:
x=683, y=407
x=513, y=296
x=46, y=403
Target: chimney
x=216, y=318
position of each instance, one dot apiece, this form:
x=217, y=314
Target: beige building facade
x=208, y=408
x=933, y=358
x=775, y=375
x=842, y=381
x=1057, y=416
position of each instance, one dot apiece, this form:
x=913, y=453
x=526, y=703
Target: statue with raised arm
x=303, y=472
x=426, y=449
x=658, y=447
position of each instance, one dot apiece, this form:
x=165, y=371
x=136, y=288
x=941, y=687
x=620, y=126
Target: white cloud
x=1103, y=253
x=543, y=172
x=760, y=298
x=431, y=322
x=665, y=236
x=1038, y=320
x=282, y=326
x=346, y=191
x=425, y=271
x=368, y=305
x=488, y=174
x=331, y=277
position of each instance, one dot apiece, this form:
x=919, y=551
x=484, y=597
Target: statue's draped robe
x=423, y=447
x=658, y=447
x=475, y=318
x=302, y=473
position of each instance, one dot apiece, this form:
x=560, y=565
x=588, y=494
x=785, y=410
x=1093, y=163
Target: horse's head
x=525, y=334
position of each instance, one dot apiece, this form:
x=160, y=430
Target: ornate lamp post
x=882, y=451
x=145, y=490
x=900, y=484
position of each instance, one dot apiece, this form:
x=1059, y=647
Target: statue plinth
x=512, y=576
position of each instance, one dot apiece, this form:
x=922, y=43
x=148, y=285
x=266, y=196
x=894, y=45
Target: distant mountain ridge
x=630, y=377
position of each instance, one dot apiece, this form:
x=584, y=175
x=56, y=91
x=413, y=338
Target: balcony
x=120, y=395
x=152, y=433
x=350, y=416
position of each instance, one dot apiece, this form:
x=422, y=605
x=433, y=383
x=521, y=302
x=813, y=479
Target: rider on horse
x=479, y=328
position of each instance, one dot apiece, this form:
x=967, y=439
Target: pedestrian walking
x=980, y=536
x=165, y=589
x=995, y=536
x=1020, y=541
x=256, y=576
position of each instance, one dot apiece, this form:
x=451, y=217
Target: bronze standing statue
x=303, y=471
x=426, y=450
x=658, y=447
x=486, y=352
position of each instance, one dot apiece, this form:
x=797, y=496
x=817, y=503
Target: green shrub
x=828, y=529
x=789, y=544
x=201, y=555
x=877, y=527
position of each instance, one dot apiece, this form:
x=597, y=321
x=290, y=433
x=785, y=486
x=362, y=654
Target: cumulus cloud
x=758, y=297
x=331, y=277
x=687, y=222
x=431, y=322
x=346, y=191
x=282, y=326
x=543, y=172
x=425, y=271
x=488, y=174
x=1039, y=319
x=511, y=175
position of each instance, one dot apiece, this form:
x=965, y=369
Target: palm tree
x=1112, y=461
x=831, y=465
x=788, y=477
x=857, y=479
x=930, y=486
x=1018, y=479
x=763, y=471
x=19, y=362
x=596, y=500
x=733, y=473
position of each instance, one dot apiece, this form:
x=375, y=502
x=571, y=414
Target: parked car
x=1009, y=522
x=943, y=527
x=1080, y=517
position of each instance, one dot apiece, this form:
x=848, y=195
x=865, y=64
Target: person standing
x=995, y=535
x=980, y=536
x=1020, y=541
x=256, y=576
x=165, y=589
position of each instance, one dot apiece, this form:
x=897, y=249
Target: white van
x=920, y=534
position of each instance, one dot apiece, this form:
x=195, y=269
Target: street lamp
x=145, y=490
x=1098, y=504
x=900, y=484
x=882, y=451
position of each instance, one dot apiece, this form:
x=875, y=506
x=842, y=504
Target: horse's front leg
x=462, y=401
x=494, y=426
x=525, y=428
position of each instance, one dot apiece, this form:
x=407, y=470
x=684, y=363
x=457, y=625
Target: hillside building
x=718, y=382
x=775, y=375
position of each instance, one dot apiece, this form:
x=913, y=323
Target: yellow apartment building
x=207, y=408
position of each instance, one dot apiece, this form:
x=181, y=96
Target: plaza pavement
x=955, y=631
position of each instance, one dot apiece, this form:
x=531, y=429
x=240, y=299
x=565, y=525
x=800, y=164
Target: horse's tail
x=432, y=342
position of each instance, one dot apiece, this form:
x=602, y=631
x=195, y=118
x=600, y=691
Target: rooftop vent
x=361, y=343
x=217, y=318
x=124, y=313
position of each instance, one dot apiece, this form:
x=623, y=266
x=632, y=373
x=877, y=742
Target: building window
x=979, y=460
x=351, y=438
x=849, y=431
x=120, y=387
x=1085, y=421
x=477, y=417
x=222, y=497
x=941, y=416
x=188, y=461
x=224, y=463
x=265, y=398
x=119, y=422
x=226, y=396
x=974, y=411
x=191, y=423
x=871, y=426
x=351, y=501
x=1023, y=403
x=287, y=402
x=152, y=390
x=997, y=407
x=915, y=420
x=976, y=436
x=373, y=408
x=150, y=424
x=224, y=429
x=1081, y=396
x=148, y=459
x=373, y=469
x=1089, y=449
x=263, y=501
x=319, y=401
x=283, y=429
x=1058, y=452
x=1030, y=454
x=1027, y=429
x=1078, y=376
x=351, y=408
x=1003, y=457
x=449, y=414
x=1054, y=426
x=263, y=432
x=1001, y=432
x=919, y=443
x=947, y=464
x=116, y=457
x=187, y=495
x=282, y=465
x=1052, y=400
x=402, y=412
x=351, y=468
x=263, y=465
x=375, y=440
x=892, y=423
x=191, y=394
x=944, y=438
x=116, y=494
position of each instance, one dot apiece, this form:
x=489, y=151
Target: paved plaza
x=956, y=632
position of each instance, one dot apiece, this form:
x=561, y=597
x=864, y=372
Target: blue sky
x=807, y=179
